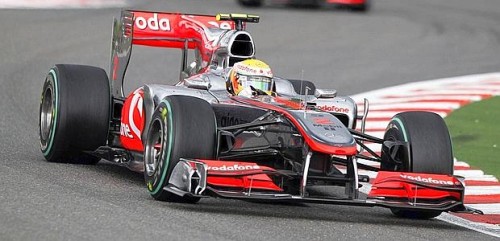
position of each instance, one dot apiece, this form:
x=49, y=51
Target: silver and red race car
x=356, y=5
x=194, y=139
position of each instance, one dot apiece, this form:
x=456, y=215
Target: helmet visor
x=258, y=82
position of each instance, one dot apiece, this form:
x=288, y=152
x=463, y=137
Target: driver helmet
x=250, y=73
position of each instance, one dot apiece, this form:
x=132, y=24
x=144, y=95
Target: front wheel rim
x=153, y=148
x=46, y=115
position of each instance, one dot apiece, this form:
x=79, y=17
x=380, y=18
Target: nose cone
x=324, y=127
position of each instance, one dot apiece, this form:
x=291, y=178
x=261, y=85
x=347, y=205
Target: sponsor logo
x=125, y=130
x=234, y=167
x=428, y=180
x=136, y=104
x=230, y=121
x=257, y=70
x=328, y=127
x=333, y=108
x=322, y=121
x=153, y=23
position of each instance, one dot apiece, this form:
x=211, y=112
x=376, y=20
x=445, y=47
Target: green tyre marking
x=169, y=149
x=402, y=127
x=54, y=115
x=400, y=123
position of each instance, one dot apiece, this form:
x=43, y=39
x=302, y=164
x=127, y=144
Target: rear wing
x=173, y=30
x=167, y=30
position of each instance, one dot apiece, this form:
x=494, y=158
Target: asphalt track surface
x=399, y=41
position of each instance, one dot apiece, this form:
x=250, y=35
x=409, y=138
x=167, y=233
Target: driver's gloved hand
x=246, y=92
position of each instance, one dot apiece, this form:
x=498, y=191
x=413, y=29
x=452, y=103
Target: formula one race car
x=356, y=5
x=195, y=139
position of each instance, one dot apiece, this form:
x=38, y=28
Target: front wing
x=250, y=181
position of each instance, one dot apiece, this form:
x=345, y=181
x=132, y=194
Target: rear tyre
x=429, y=150
x=250, y=3
x=181, y=127
x=74, y=113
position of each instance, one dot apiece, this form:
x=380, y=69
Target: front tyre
x=181, y=127
x=429, y=150
x=74, y=113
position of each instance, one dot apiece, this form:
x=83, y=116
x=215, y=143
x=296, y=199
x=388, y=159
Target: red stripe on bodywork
x=415, y=186
x=256, y=182
x=236, y=174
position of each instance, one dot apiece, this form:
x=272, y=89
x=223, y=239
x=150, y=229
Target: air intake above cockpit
x=241, y=46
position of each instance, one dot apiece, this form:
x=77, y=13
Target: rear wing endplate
x=166, y=30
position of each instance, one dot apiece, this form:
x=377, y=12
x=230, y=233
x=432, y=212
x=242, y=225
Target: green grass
x=475, y=133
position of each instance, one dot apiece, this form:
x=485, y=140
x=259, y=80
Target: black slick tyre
x=74, y=113
x=429, y=150
x=181, y=127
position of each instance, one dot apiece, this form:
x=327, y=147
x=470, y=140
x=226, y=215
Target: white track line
x=484, y=178
x=379, y=134
x=487, y=208
x=469, y=173
x=376, y=124
x=406, y=98
x=389, y=114
x=429, y=84
x=490, y=229
x=416, y=105
x=482, y=190
x=460, y=164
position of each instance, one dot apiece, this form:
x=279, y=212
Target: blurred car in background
x=356, y=5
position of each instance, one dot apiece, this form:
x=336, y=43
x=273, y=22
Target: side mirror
x=325, y=93
x=191, y=69
x=197, y=83
x=188, y=71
